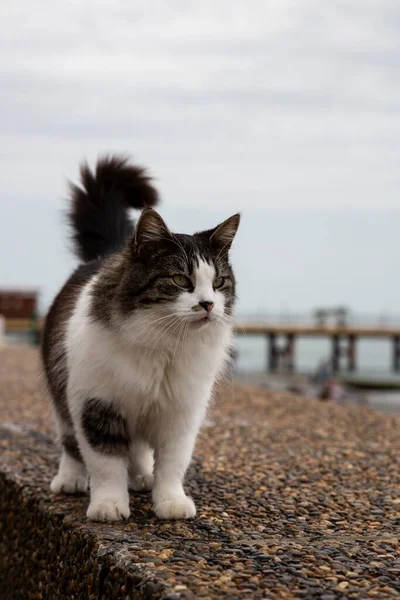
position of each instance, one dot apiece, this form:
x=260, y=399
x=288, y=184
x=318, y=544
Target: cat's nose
x=208, y=306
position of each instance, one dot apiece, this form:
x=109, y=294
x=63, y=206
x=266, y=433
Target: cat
x=134, y=343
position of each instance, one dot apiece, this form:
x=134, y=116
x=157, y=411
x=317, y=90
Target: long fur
x=98, y=213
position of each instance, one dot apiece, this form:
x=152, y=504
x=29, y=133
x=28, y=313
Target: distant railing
x=293, y=318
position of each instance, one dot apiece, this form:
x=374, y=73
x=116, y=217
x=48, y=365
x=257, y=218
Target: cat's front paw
x=69, y=483
x=141, y=483
x=108, y=509
x=181, y=507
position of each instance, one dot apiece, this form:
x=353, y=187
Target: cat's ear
x=150, y=228
x=223, y=235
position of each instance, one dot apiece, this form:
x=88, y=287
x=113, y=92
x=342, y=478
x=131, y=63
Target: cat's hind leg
x=141, y=462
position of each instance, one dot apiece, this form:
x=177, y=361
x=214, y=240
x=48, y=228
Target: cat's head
x=188, y=277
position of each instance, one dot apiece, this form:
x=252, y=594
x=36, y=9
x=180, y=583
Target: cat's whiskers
x=149, y=325
x=144, y=328
x=185, y=341
x=179, y=339
x=171, y=330
x=151, y=351
x=160, y=335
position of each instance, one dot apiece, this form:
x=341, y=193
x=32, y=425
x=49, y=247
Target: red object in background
x=18, y=303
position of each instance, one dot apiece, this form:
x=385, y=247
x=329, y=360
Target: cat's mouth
x=198, y=323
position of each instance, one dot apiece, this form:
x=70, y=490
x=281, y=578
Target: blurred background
x=285, y=110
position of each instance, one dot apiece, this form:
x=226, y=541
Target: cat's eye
x=182, y=281
x=218, y=282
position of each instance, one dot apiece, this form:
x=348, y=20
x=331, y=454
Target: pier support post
x=396, y=353
x=272, y=353
x=335, y=353
x=280, y=356
x=351, y=353
x=289, y=351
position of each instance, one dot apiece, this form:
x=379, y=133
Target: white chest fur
x=138, y=365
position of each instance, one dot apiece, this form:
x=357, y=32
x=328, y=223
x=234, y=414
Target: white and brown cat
x=134, y=343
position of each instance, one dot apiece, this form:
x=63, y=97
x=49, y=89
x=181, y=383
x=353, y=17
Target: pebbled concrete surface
x=296, y=499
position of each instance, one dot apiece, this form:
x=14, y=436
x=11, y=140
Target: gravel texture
x=295, y=498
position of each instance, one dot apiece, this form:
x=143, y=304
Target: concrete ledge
x=45, y=549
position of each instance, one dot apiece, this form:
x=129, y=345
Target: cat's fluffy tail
x=98, y=213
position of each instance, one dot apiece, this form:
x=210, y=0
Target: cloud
x=285, y=104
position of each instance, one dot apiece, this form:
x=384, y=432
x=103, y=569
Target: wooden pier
x=282, y=341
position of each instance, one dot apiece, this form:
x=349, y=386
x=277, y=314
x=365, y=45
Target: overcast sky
x=287, y=110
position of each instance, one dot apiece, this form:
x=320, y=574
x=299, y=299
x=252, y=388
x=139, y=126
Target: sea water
x=371, y=355
x=373, y=358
